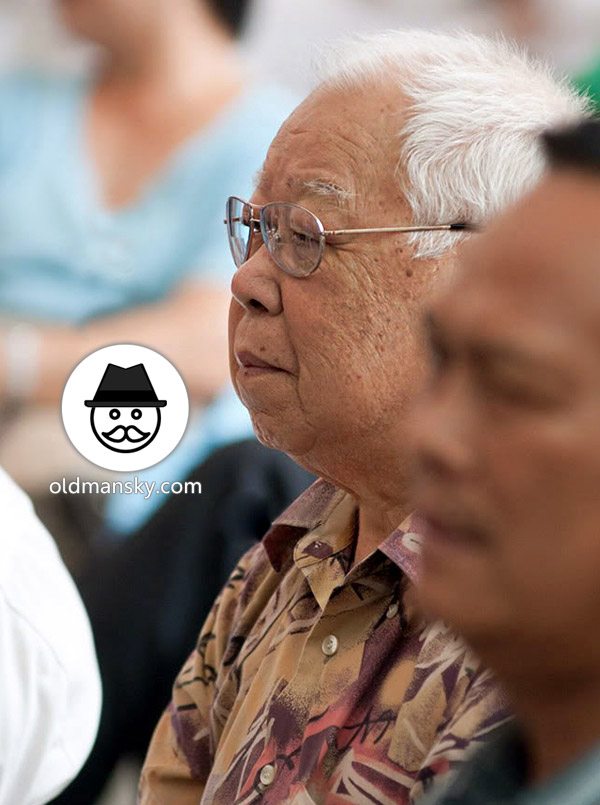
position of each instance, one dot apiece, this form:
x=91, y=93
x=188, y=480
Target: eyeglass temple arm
x=439, y=228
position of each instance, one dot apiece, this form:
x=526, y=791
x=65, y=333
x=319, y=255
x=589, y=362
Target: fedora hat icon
x=124, y=387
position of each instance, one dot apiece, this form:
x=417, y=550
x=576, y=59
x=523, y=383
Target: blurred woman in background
x=112, y=195
x=111, y=205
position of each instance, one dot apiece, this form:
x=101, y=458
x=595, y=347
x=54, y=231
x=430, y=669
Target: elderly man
x=508, y=473
x=316, y=679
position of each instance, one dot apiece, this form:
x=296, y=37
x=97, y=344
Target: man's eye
x=302, y=238
x=520, y=394
x=114, y=413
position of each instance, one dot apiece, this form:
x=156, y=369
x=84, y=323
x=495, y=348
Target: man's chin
x=268, y=433
x=281, y=432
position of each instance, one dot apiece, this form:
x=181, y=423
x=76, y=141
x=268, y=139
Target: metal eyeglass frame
x=259, y=226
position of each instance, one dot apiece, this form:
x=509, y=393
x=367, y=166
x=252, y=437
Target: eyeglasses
x=295, y=238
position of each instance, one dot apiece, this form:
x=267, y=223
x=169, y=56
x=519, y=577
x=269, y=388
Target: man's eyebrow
x=323, y=187
x=317, y=187
x=527, y=360
x=486, y=352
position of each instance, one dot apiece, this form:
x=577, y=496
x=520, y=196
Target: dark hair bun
x=232, y=13
x=574, y=146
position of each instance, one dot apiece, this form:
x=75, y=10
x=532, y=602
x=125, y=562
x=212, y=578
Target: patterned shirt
x=315, y=681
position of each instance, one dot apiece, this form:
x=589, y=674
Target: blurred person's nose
x=441, y=434
x=256, y=284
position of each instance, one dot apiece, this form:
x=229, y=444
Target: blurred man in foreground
x=315, y=678
x=508, y=441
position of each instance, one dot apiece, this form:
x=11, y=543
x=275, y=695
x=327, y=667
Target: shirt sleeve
x=50, y=695
x=181, y=752
x=482, y=709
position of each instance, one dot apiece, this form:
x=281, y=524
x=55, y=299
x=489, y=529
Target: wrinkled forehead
x=342, y=139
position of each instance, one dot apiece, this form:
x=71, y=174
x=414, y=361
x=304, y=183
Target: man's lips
x=439, y=530
x=249, y=361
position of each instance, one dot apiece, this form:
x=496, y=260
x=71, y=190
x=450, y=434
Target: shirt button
x=392, y=611
x=267, y=775
x=330, y=645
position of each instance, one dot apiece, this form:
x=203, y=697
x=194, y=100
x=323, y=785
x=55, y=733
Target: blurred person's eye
x=516, y=388
x=114, y=413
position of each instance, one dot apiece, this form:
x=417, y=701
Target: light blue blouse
x=66, y=258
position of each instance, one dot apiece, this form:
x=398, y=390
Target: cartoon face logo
x=125, y=414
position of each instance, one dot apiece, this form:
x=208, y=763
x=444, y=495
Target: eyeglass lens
x=293, y=238
x=237, y=217
x=291, y=234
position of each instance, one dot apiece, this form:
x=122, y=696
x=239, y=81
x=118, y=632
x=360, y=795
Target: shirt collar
x=403, y=546
x=306, y=513
x=313, y=508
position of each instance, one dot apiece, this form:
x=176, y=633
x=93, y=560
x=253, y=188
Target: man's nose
x=255, y=285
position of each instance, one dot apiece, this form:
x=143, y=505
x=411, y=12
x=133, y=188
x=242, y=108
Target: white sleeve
x=50, y=692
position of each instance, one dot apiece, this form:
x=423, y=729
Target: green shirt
x=590, y=84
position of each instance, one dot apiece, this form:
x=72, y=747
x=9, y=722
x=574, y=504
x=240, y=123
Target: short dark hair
x=231, y=13
x=576, y=147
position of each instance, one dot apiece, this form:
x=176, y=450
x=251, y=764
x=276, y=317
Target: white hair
x=469, y=142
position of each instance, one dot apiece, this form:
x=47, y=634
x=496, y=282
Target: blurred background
x=280, y=34
x=166, y=116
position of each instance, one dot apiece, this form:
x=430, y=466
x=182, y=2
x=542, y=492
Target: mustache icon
x=119, y=434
